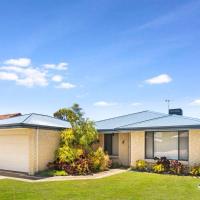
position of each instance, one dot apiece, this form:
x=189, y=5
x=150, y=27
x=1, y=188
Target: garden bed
x=168, y=167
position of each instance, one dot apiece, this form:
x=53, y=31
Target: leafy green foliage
x=195, y=171
x=74, y=115
x=99, y=160
x=141, y=165
x=159, y=168
x=50, y=172
x=162, y=165
x=76, y=154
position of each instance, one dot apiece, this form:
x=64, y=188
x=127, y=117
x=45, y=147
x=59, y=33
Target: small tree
x=73, y=115
x=76, y=154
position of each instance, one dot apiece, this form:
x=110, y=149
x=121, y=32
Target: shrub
x=99, y=160
x=59, y=173
x=159, y=168
x=195, y=171
x=78, y=167
x=141, y=165
x=176, y=167
x=77, y=154
x=47, y=173
x=65, y=154
x=164, y=163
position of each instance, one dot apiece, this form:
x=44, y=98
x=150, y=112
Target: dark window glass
x=108, y=143
x=149, y=150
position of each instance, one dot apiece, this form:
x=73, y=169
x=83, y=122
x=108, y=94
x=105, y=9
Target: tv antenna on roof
x=168, y=103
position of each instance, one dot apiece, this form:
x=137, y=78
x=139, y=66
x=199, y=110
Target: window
x=149, y=149
x=173, y=145
x=183, y=145
x=111, y=143
x=166, y=144
x=108, y=143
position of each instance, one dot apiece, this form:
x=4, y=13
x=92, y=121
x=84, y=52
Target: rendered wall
x=137, y=146
x=194, y=147
x=48, y=142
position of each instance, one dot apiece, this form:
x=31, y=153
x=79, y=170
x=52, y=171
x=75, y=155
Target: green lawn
x=129, y=185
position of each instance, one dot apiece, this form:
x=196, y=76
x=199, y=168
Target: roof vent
x=177, y=111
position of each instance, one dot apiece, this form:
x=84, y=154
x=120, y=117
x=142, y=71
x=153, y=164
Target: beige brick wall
x=42, y=146
x=137, y=146
x=194, y=147
x=32, y=151
x=124, y=148
x=47, y=145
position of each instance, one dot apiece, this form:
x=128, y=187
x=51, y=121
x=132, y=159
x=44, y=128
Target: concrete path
x=68, y=178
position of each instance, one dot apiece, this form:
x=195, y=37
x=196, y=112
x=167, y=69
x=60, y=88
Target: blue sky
x=113, y=57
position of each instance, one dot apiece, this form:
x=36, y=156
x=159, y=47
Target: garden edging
x=68, y=178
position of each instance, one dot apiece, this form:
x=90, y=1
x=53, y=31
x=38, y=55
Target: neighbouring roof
x=147, y=120
x=6, y=116
x=34, y=120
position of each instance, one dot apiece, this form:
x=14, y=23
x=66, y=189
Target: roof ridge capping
x=130, y=114
x=31, y=114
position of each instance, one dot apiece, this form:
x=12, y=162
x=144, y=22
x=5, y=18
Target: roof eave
x=23, y=125
x=116, y=130
x=160, y=128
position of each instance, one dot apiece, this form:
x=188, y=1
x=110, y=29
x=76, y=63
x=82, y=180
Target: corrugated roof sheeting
x=145, y=120
x=166, y=121
x=34, y=119
x=116, y=122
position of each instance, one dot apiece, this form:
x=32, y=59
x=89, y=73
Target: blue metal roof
x=164, y=122
x=146, y=120
x=36, y=120
x=113, y=123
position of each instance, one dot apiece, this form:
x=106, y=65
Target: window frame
x=178, y=132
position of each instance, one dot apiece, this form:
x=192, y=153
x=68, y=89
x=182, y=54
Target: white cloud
x=8, y=76
x=28, y=77
x=136, y=104
x=65, y=85
x=59, y=66
x=57, y=78
x=104, y=104
x=160, y=79
x=22, y=62
x=33, y=77
x=195, y=102
x=23, y=73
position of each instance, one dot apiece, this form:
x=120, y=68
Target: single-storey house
x=146, y=135
x=28, y=142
